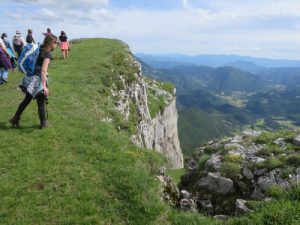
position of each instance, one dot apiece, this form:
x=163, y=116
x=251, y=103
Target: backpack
x=28, y=58
x=17, y=41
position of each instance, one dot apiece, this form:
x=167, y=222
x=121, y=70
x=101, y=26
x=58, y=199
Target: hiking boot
x=15, y=122
x=44, y=124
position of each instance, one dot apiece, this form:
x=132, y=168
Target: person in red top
x=64, y=44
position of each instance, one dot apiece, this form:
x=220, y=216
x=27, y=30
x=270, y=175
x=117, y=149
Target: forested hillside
x=216, y=102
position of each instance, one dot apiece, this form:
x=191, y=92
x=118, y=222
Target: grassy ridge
x=82, y=170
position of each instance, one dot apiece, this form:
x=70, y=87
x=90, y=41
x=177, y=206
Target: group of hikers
x=28, y=54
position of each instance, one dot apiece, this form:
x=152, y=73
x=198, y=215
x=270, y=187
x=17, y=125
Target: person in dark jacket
x=29, y=38
x=35, y=87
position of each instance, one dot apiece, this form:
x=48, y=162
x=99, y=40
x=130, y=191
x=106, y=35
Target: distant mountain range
x=217, y=101
x=243, y=62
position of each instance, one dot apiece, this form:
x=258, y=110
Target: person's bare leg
x=64, y=54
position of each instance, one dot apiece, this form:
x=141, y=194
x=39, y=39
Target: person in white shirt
x=18, y=43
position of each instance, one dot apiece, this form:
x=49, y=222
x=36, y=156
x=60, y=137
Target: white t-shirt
x=2, y=43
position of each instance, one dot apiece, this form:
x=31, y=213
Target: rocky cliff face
x=159, y=133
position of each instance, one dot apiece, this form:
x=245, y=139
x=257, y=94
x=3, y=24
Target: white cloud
x=236, y=9
x=76, y=11
x=259, y=27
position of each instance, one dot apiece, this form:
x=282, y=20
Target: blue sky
x=261, y=28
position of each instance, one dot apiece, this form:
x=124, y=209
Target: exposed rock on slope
x=221, y=174
x=159, y=133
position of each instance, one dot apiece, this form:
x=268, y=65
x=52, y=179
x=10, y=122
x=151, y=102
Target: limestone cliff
x=160, y=132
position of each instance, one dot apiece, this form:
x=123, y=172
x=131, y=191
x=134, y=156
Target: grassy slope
x=197, y=127
x=80, y=170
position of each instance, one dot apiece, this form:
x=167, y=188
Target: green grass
x=229, y=169
x=155, y=104
x=268, y=150
x=294, y=159
x=175, y=174
x=202, y=161
x=281, y=212
x=158, y=101
x=270, y=137
x=82, y=170
x=271, y=163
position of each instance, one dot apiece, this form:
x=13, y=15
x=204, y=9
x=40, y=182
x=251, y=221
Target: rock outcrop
x=240, y=168
x=159, y=133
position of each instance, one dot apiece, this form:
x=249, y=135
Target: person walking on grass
x=10, y=50
x=29, y=37
x=64, y=45
x=48, y=32
x=18, y=43
x=5, y=63
x=35, y=87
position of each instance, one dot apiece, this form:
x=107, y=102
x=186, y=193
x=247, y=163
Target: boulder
x=206, y=205
x=190, y=163
x=251, y=133
x=210, y=142
x=207, y=196
x=162, y=171
x=296, y=140
x=265, y=182
x=213, y=182
x=170, y=191
x=188, y=205
x=273, y=175
x=221, y=217
x=257, y=194
x=236, y=139
x=214, y=163
x=280, y=142
x=259, y=172
x=242, y=185
x=240, y=207
x=247, y=173
x=256, y=160
x=198, y=153
x=185, y=194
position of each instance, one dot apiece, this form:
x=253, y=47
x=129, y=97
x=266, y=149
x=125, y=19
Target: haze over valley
x=218, y=95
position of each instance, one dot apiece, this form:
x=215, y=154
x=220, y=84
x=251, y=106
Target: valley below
x=216, y=102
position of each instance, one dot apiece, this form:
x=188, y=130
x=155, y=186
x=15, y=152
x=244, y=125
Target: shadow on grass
x=3, y=126
x=27, y=129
